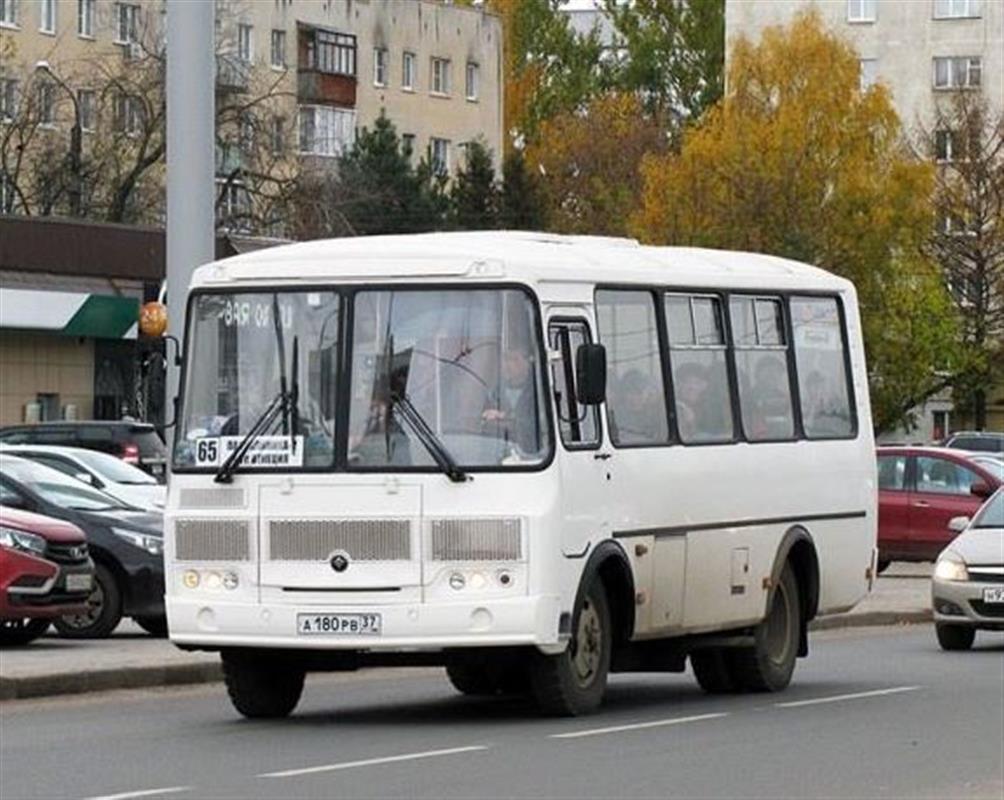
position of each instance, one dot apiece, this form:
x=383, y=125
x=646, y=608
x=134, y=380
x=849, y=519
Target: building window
x=861, y=10
x=245, y=43
x=440, y=76
x=85, y=18
x=278, y=135
x=326, y=130
x=233, y=204
x=8, y=196
x=8, y=99
x=278, y=57
x=947, y=146
x=379, y=66
x=126, y=16
x=47, y=16
x=46, y=104
x=408, y=145
x=439, y=156
x=330, y=52
x=959, y=72
x=954, y=9
x=408, y=71
x=471, y=90
x=868, y=72
x=128, y=115
x=8, y=13
x=246, y=132
x=87, y=104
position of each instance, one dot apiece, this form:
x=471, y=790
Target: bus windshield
x=434, y=377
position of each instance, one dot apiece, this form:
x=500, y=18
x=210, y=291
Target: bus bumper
x=533, y=620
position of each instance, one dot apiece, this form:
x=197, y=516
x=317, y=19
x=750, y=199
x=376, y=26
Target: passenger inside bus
x=513, y=405
x=637, y=412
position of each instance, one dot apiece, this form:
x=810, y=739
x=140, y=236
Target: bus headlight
x=190, y=579
x=210, y=580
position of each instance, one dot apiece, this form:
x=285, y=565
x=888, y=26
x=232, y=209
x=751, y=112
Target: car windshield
x=992, y=513
x=113, y=469
x=243, y=350
x=59, y=489
x=467, y=361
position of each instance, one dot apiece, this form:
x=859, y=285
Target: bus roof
x=511, y=256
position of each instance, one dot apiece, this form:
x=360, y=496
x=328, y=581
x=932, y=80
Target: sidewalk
x=130, y=659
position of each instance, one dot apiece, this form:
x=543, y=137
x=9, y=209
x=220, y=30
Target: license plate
x=338, y=624
x=78, y=583
x=994, y=594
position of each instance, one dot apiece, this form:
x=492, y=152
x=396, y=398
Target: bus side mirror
x=591, y=374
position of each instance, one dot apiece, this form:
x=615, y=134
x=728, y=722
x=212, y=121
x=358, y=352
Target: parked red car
x=45, y=572
x=920, y=490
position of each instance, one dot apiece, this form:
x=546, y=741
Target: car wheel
x=882, y=565
x=261, y=687
x=104, y=609
x=955, y=637
x=573, y=682
x=713, y=670
x=767, y=666
x=17, y=632
x=156, y=626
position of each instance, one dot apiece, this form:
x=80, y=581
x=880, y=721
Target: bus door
x=585, y=464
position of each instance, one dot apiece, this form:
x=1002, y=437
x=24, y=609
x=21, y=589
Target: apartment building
x=924, y=51
x=309, y=73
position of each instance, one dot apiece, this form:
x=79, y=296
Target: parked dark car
x=45, y=572
x=920, y=490
x=137, y=443
x=976, y=441
x=125, y=543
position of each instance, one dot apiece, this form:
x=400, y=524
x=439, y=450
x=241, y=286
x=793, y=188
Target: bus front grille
x=361, y=539
x=486, y=539
x=197, y=497
x=212, y=540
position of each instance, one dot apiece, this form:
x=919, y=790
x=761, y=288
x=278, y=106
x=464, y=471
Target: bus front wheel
x=573, y=682
x=261, y=687
x=768, y=664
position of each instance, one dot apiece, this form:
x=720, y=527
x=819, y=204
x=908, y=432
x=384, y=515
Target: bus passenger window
x=822, y=375
x=762, y=368
x=699, y=371
x=579, y=424
x=636, y=396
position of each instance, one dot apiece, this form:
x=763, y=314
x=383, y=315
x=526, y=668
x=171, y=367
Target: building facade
x=925, y=52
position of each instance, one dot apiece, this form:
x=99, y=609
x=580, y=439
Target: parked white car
x=112, y=475
x=967, y=590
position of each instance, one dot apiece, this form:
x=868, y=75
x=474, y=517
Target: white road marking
x=369, y=762
x=142, y=793
x=841, y=697
x=636, y=726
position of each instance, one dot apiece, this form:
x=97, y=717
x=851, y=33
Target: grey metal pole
x=191, y=85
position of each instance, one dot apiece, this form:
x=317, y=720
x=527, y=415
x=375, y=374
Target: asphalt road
x=872, y=713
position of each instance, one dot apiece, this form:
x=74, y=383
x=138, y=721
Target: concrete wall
x=32, y=363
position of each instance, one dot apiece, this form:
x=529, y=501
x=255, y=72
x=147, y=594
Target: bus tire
x=767, y=666
x=954, y=637
x=713, y=671
x=261, y=688
x=474, y=680
x=573, y=682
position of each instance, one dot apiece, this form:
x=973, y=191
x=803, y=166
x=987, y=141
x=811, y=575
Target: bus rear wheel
x=573, y=682
x=767, y=666
x=261, y=687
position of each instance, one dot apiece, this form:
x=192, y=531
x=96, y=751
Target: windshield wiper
x=263, y=423
x=428, y=438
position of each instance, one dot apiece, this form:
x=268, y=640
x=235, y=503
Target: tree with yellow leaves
x=798, y=161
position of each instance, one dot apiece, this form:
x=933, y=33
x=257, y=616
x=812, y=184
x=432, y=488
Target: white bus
x=533, y=459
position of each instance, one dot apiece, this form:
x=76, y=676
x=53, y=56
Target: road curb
x=148, y=677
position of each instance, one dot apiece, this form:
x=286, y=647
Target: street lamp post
x=76, y=139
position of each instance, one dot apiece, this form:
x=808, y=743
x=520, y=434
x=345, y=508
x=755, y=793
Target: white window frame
x=87, y=101
x=236, y=201
x=866, y=80
x=439, y=83
x=127, y=115
x=472, y=81
x=331, y=130
x=85, y=19
x=440, y=166
x=9, y=99
x=47, y=17
x=8, y=14
x=957, y=9
x=277, y=47
x=126, y=17
x=245, y=42
x=380, y=64
x=862, y=10
x=408, y=61
x=973, y=65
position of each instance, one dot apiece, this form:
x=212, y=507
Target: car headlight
x=154, y=545
x=951, y=567
x=21, y=540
